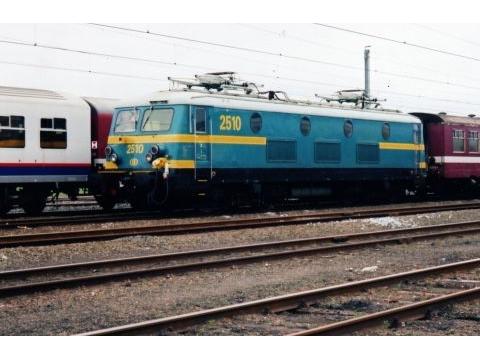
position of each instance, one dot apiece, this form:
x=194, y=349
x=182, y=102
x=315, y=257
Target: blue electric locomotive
x=230, y=142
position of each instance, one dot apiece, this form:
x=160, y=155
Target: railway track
x=219, y=225
x=292, y=301
x=97, y=216
x=414, y=311
x=205, y=259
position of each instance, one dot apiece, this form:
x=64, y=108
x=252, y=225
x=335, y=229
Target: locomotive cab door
x=202, y=146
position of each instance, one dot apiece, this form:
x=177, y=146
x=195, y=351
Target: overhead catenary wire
x=401, y=42
x=285, y=56
x=85, y=71
x=386, y=57
x=447, y=34
x=103, y=73
x=166, y=63
x=158, y=79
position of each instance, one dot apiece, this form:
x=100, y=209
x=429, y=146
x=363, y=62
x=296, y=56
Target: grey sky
x=450, y=83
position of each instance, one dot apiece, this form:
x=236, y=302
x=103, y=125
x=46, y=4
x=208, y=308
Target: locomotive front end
x=141, y=145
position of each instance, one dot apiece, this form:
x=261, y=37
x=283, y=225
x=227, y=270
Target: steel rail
x=338, y=238
x=95, y=216
x=277, y=303
x=414, y=311
x=13, y=290
x=77, y=217
x=218, y=225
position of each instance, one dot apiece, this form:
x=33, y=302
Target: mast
x=367, y=76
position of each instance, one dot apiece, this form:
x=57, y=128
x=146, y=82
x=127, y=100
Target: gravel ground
x=77, y=310
x=88, y=308
x=22, y=257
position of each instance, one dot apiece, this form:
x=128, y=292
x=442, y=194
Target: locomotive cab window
x=126, y=121
x=53, y=133
x=458, y=141
x=12, y=131
x=157, y=120
x=473, y=142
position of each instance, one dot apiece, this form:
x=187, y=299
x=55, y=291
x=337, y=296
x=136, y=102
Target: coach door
x=203, y=146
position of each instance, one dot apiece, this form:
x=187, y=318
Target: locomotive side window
x=281, y=150
x=473, y=142
x=368, y=153
x=200, y=120
x=157, y=120
x=458, y=141
x=53, y=133
x=305, y=126
x=348, y=129
x=327, y=152
x=126, y=120
x=386, y=131
x=12, y=131
x=256, y=122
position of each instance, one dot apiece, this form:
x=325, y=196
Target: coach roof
x=448, y=119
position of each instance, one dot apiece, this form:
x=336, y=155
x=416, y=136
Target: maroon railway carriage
x=453, y=151
x=101, y=117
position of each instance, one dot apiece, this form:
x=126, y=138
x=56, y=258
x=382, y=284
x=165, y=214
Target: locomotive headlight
x=108, y=151
x=114, y=157
x=149, y=157
x=155, y=150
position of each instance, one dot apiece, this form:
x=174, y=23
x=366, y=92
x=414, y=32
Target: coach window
x=12, y=131
x=458, y=141
x=53, y=133
x=256, y=122
x=305, y=126
x=473, y=141
x=348, y=128
x=386, y=131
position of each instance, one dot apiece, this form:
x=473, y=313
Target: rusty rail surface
x=387, y=237
x=218, y=225
x=414, y=311
x=277, y=303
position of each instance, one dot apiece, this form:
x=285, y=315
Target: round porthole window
x=348, y=128
x=386, y=131
x=256, y=122
x=305, y=126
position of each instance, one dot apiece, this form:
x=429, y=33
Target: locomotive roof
x=235, y=101
x=447, y=119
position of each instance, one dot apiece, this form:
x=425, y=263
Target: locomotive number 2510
x=134, y=148
x=230, y=122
